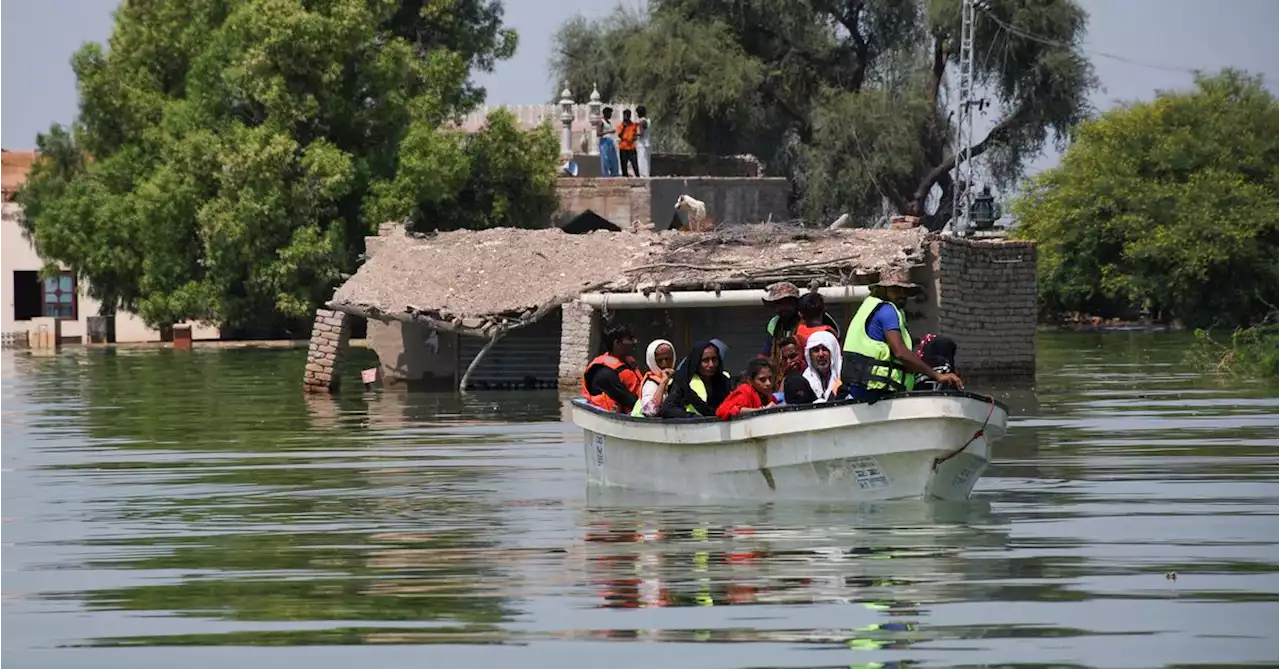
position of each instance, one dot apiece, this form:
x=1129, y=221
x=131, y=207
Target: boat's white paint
x=710, y=298
x=845, y=451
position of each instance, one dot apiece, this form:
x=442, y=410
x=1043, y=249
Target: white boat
x=910, y=445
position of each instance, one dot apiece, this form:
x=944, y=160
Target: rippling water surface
x=165, y=509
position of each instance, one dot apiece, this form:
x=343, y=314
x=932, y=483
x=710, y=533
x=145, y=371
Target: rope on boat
x=976, y=435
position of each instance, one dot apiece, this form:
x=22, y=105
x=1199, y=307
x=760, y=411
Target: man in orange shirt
x=627, y=133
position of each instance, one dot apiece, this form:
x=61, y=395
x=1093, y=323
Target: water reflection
x=159, y=499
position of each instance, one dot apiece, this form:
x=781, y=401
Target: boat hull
x=907, y=446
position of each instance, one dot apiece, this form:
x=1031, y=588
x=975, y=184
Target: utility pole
x=962, y=182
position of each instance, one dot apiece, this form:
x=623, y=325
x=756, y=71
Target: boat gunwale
x=785, y=408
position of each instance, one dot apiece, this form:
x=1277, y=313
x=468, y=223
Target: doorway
x=28, y=295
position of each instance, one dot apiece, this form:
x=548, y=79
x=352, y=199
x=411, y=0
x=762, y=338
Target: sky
x=1165, y=38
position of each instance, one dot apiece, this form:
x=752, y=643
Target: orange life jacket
x=627, y=133
x=803, y=332
x=627, y=375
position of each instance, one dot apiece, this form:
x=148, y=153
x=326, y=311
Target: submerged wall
x=983, y=294
x=414, y=355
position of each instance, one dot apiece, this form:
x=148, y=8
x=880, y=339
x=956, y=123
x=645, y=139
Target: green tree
x=588, y=53
x=1168, y=205
x=230, y=155
x=845, y=97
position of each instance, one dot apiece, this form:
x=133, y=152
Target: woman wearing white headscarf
x=822, y=354
x=661, y=360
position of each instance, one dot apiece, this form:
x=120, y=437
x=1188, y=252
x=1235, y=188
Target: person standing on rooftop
x=608, y=148
x=627, y=132
x=643, y=141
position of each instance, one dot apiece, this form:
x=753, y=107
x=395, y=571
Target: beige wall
x=621, y=201
x=414, y=354
x=730, y=200
x=17, y=254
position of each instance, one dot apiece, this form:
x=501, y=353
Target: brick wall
x=579, y=337
x=986, y=300
x=619, y=200
x=324, y=356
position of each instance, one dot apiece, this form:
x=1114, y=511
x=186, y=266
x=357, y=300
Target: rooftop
x=473, y=282
x=14, y=166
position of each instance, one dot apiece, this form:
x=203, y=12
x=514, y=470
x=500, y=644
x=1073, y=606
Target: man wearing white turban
x=822, y=353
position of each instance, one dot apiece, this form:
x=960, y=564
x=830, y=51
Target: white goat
x=696, y=209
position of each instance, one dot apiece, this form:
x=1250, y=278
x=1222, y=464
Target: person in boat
x=754, y=393
x=784, y=297
x=722, y=348
x=790, y=361
x=822, y=354
x=938, y=353
x=699, y=385
x=611, y=381
x=790, y=365
x=661, y=360
x=791, y=357
x=814, y=318
x=796, y=390
x=786, y=321
x=878, y=359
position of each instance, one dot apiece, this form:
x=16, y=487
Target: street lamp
x=982, y=212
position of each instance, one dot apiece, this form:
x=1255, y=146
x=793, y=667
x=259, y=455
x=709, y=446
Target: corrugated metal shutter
x=742, y=328
x=530, y=355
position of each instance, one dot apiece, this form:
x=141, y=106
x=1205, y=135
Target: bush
x=1250, y=352
x=1167, y=206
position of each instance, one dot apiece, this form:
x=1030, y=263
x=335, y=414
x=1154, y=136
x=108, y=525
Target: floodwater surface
x=194, y=509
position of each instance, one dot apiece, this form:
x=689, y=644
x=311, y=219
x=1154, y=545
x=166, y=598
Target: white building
x=30, y=299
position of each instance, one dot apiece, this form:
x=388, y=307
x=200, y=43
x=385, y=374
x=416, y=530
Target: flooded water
x=168, y=509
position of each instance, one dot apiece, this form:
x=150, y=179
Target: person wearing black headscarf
x=938, y=352
x=703, y=369
x=797, y=390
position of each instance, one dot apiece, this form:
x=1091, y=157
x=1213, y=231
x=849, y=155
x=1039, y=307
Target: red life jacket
x=626, y=374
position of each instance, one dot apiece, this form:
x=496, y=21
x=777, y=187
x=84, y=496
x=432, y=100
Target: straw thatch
x=489, y=281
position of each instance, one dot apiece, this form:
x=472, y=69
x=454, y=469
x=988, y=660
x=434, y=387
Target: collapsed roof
x=483, y=282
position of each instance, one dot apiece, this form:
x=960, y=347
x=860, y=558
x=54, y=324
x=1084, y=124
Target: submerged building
x=525, y=308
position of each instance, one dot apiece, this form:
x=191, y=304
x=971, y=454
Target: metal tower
x=962, y=181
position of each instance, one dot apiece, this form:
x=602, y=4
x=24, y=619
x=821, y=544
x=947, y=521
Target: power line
x=1058, y=43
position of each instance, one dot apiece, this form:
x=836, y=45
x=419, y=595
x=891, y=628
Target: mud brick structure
x=324, y=357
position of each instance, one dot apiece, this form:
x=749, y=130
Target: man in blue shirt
x=879, y=359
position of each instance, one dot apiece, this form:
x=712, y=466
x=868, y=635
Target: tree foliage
x=587, y=53
x=1168, y=205
x=230, y=155
x=846, y=97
